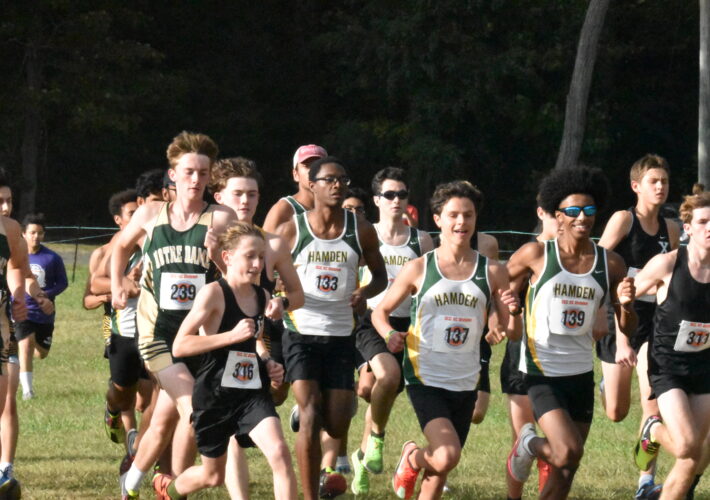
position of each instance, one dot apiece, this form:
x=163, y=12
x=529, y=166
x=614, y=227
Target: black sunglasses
x=402, y=194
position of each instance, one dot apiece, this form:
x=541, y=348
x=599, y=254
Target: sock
x=173, y=492
x=26, y=381
x=4, y=465
x=360, y=455
x=645, y=478
x=134, y=476
x=375, y=434
x=342, y=461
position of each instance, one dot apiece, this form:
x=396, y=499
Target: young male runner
x=180, y=256
x=380, y=373
x=637, y=234
x=288, y=206
x=679, y=351
x=231, y=393
x=326, y=245
x=235, y=182
x=569, y=279
x=451, y=289
x=34, y=335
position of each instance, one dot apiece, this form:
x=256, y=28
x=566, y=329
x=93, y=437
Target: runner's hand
x=396, y=341
x=495, y=335
x=626, y=291
x=510, y=299
x=276, y=373
x=244, y=330
x=118, y=297
x=274, y=309
x=625, y=355
x=45, y=305
x=358, y=301
x=19, y=309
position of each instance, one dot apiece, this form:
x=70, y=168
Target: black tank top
x=224, y=375
x=638, y=247
x=687, y=306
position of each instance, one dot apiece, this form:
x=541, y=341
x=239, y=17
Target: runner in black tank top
x=679, y=352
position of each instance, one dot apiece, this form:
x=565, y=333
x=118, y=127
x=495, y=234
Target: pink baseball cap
x=308, y=152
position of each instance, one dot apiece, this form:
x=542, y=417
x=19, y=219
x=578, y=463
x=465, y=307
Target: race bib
x=241, y=371
x=692, y=337
x=327, y=282
x=631, y=273
x=455, y=334
x=570, y=316
x=178, y=290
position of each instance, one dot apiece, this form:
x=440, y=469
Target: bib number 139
x=572, y=318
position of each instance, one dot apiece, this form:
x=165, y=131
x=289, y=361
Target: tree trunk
x=576, y=110
x=704, y=101
x=33, y=129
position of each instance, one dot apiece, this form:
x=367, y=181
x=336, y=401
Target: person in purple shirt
x=34, y=335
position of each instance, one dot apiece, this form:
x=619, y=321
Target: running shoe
x=373, y=454
x=127, y=494
x=160, y=485
x=342, y=466
x=114, y=426
x=28, y=395
x=360, y=484
x=293, y=420
x=126, y=463
x=543, y=474
x=6, y=482
x=331, y=484
x=8, y=472
x=655, y=493
x=405, y=476
x=131, y=437
x=644, y=490
x=520, y=459
x=646, y=449
x=602, y=393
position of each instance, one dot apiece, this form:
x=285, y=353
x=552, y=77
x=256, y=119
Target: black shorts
x=330, y=361
x=368, y=342
x=213, y=427
x=512, y=380
x=434, y=402
x=574, y=394
x=42, y=331
x=690, y=384
x=606, y=346
x=124, y=361
x=484, y=380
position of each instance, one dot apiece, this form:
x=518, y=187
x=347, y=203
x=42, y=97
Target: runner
x=451, y=289
x=180, y=255
x=235, y=182
x=149, y=186
x=380, y=374
x=637, y=234
x=34, y=335
x=326, y=245
x=569, y=279
x=231, y=395
x=679, y=358
x=288, y=206
x=356, y=201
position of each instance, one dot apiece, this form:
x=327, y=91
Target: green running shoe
x=372, y=461
x=360, y=484
x=114, y=426
x=646, y=449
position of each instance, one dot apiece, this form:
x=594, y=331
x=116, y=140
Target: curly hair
x=117, y=200
x=455, y=189
x=562, y=182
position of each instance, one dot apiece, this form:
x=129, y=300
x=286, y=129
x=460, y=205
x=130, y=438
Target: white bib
x=327, y=282
x=453, y=334
x=570, y=316
x=241, y=371
x=692, y=337
x=178, y=290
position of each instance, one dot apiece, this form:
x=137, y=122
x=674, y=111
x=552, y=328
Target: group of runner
x=210, y=320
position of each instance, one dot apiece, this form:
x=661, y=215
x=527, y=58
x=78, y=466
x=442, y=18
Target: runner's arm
x=623, y=293
x=616, y=229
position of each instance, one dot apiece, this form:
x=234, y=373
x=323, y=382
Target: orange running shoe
x=405, y=476
x=543, y=474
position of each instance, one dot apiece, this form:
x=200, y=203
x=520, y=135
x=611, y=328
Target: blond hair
x=189, y=142
x=691, y=202
x=646, y=163
x=230, y=239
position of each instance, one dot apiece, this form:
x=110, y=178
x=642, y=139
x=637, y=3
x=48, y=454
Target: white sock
x=645, y=478
x=342, y=461
x=133, y=478
x=4, y=465
x=26, y=381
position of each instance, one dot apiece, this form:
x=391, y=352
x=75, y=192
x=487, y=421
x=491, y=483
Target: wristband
x=516, y=313
x=285, y=302
x=389, y=335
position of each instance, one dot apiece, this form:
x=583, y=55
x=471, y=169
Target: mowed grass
x=63, y=451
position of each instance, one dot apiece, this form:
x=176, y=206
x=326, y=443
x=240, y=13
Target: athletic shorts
x=574, y=394
x=606, y=346
x=512, y=380
x=369, y=343
x=484, y=380
x=330, y=361
x=42, y=331
x=214, y=426
x=434, y=402
x=690, y=384
x=125, y=361
x=157, y=355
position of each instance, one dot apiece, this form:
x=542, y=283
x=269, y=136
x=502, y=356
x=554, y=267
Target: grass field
x=63, y=451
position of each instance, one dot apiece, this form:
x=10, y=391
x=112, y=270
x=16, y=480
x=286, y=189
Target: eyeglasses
x=574, y=212
x=402, y=194
x=344, y=180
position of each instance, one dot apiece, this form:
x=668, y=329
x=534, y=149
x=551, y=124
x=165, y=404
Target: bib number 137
x=456, y=335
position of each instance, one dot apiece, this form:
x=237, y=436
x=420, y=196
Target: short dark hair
x=455, y=189
x=392, y=173
x=314, y=167
x=4, y=178
x=150, y=182
x=116, y=202
x=562, y=182
x=37, y=218
x=357, y=192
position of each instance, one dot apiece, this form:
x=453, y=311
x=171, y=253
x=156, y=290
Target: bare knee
x=364, y=389
x=615, y=412
x=280, y=457
x=567, y=457
x=689, y=450
x=445, y=458
x=214, y=478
